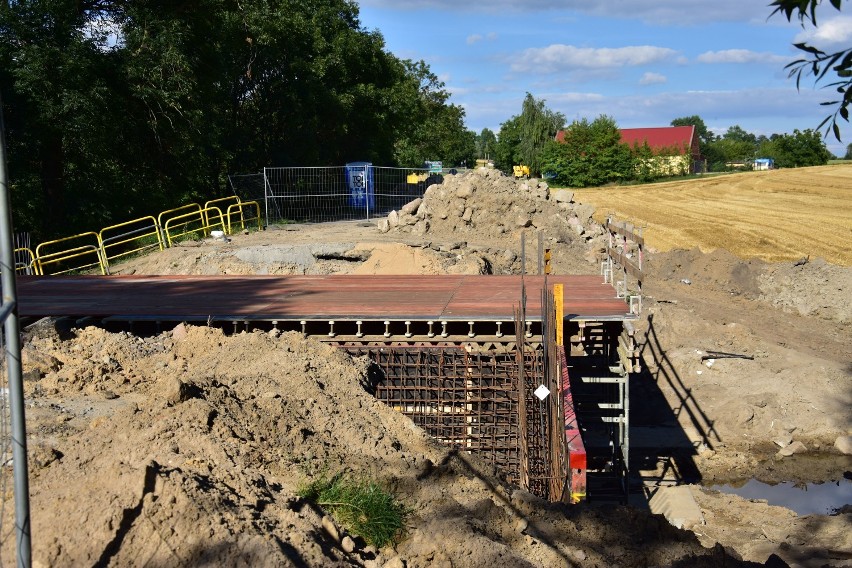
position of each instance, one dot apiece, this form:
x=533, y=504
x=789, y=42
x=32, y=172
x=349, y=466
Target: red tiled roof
x=660, y=137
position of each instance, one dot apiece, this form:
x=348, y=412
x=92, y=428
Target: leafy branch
x=819, y=63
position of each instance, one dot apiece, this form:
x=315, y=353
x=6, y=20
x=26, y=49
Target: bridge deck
x=338, y=297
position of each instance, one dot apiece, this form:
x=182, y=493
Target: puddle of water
x=805, y=499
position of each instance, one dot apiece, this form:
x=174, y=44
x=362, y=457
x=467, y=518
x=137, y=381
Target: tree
x=818, y=63
x=506, y=152
x=538, y=126
x=486, y=142
x=430, y=129
x=590, y=154
x=705, y=136
x=800, y=149
x=102, y=131
x=848, y=155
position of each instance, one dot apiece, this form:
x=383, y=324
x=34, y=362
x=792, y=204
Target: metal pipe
x=12, y=332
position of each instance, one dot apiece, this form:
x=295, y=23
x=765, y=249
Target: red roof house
x=663, y=140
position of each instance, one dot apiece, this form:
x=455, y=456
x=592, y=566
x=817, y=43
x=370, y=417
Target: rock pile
x=486, y=203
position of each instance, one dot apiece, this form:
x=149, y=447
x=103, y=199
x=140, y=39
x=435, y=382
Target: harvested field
x=774, y=215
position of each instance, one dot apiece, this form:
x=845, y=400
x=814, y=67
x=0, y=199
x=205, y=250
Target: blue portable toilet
x=361, y=182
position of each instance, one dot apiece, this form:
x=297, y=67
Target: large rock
x=563, y=196
x=844, y=445
x=393, y=219
x=794, y=448
x=410, y=208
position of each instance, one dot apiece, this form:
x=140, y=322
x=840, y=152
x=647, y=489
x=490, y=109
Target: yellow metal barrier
x=221, y=202
x=25, y=261
x=134, y=234
x=243, y=218
x=198, y=219
x=66, y=259
x=195, y=207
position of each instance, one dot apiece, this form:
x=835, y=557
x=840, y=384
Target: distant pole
x=13, y=363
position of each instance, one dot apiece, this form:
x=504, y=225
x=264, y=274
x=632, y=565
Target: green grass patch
x=362, y=507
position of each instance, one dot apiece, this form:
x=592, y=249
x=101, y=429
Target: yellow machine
x=521, y=171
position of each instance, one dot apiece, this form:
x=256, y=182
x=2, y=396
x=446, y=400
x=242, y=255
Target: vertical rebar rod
x=13, y=363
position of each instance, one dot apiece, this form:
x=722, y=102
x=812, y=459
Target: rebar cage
x=470, y=400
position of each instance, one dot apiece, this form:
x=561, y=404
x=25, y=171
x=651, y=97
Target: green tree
x=705, y=136
x=506, y=153
x=538, y=126
x=430, y=128
x=848, y=155
x=800, y=149
x=820, y=64
x=591, y=154
x=102, y=131
x=486, y=142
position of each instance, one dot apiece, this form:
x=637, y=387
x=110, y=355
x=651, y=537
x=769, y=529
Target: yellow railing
x=195, y=207
x=85, y=251
x=135, y=236
x=222, y=202
x=65, y=260
x=187, y=220
x=25, y=261
x=243, y=219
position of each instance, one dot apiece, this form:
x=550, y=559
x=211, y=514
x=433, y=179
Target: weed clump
x=362, y=507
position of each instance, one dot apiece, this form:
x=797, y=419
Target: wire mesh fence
x=341, y=193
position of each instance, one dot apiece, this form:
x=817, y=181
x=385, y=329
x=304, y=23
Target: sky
x=643, y=63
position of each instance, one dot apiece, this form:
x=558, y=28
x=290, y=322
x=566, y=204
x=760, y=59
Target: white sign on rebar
x=541, y=392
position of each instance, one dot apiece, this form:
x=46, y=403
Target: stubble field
x=776, y=215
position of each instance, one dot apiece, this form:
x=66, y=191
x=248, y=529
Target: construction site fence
x=95, y=252
x=337, y=193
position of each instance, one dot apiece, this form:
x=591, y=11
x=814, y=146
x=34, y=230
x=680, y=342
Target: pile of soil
x=189, y=446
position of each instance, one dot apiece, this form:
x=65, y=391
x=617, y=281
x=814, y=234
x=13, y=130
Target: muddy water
x=803, y=498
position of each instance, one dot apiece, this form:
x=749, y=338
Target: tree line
x=116, y=109
x=592, y=152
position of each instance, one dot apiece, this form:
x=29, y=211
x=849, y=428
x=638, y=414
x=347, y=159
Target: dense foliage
x=116, y=109
x=590, y=155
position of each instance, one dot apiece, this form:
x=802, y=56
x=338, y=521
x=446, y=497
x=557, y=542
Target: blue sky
x=641, y=62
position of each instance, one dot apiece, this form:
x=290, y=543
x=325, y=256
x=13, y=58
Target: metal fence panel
x=342, y=193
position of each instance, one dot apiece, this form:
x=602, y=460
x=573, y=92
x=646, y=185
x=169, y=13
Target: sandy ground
x=187, y=448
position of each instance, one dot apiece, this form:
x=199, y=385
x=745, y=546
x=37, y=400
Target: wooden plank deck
x=338, y=297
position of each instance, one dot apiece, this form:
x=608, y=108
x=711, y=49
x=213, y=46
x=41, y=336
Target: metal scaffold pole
x=11, y=330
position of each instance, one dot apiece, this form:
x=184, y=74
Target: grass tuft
x=362, y=507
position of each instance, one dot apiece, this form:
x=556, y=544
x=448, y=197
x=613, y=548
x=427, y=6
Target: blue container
x=361, y=182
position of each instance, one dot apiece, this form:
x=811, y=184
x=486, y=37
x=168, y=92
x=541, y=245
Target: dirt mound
x=187, y=448
x=806, y=287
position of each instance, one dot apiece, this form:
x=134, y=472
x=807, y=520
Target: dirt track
x=187, y=447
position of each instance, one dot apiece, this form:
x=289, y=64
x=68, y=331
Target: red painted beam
x=576, y=449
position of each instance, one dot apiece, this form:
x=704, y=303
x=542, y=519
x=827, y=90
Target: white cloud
x=830, y=34
x=652, y=79
x=557, y=57
x=476, y=38
x=741, y=56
